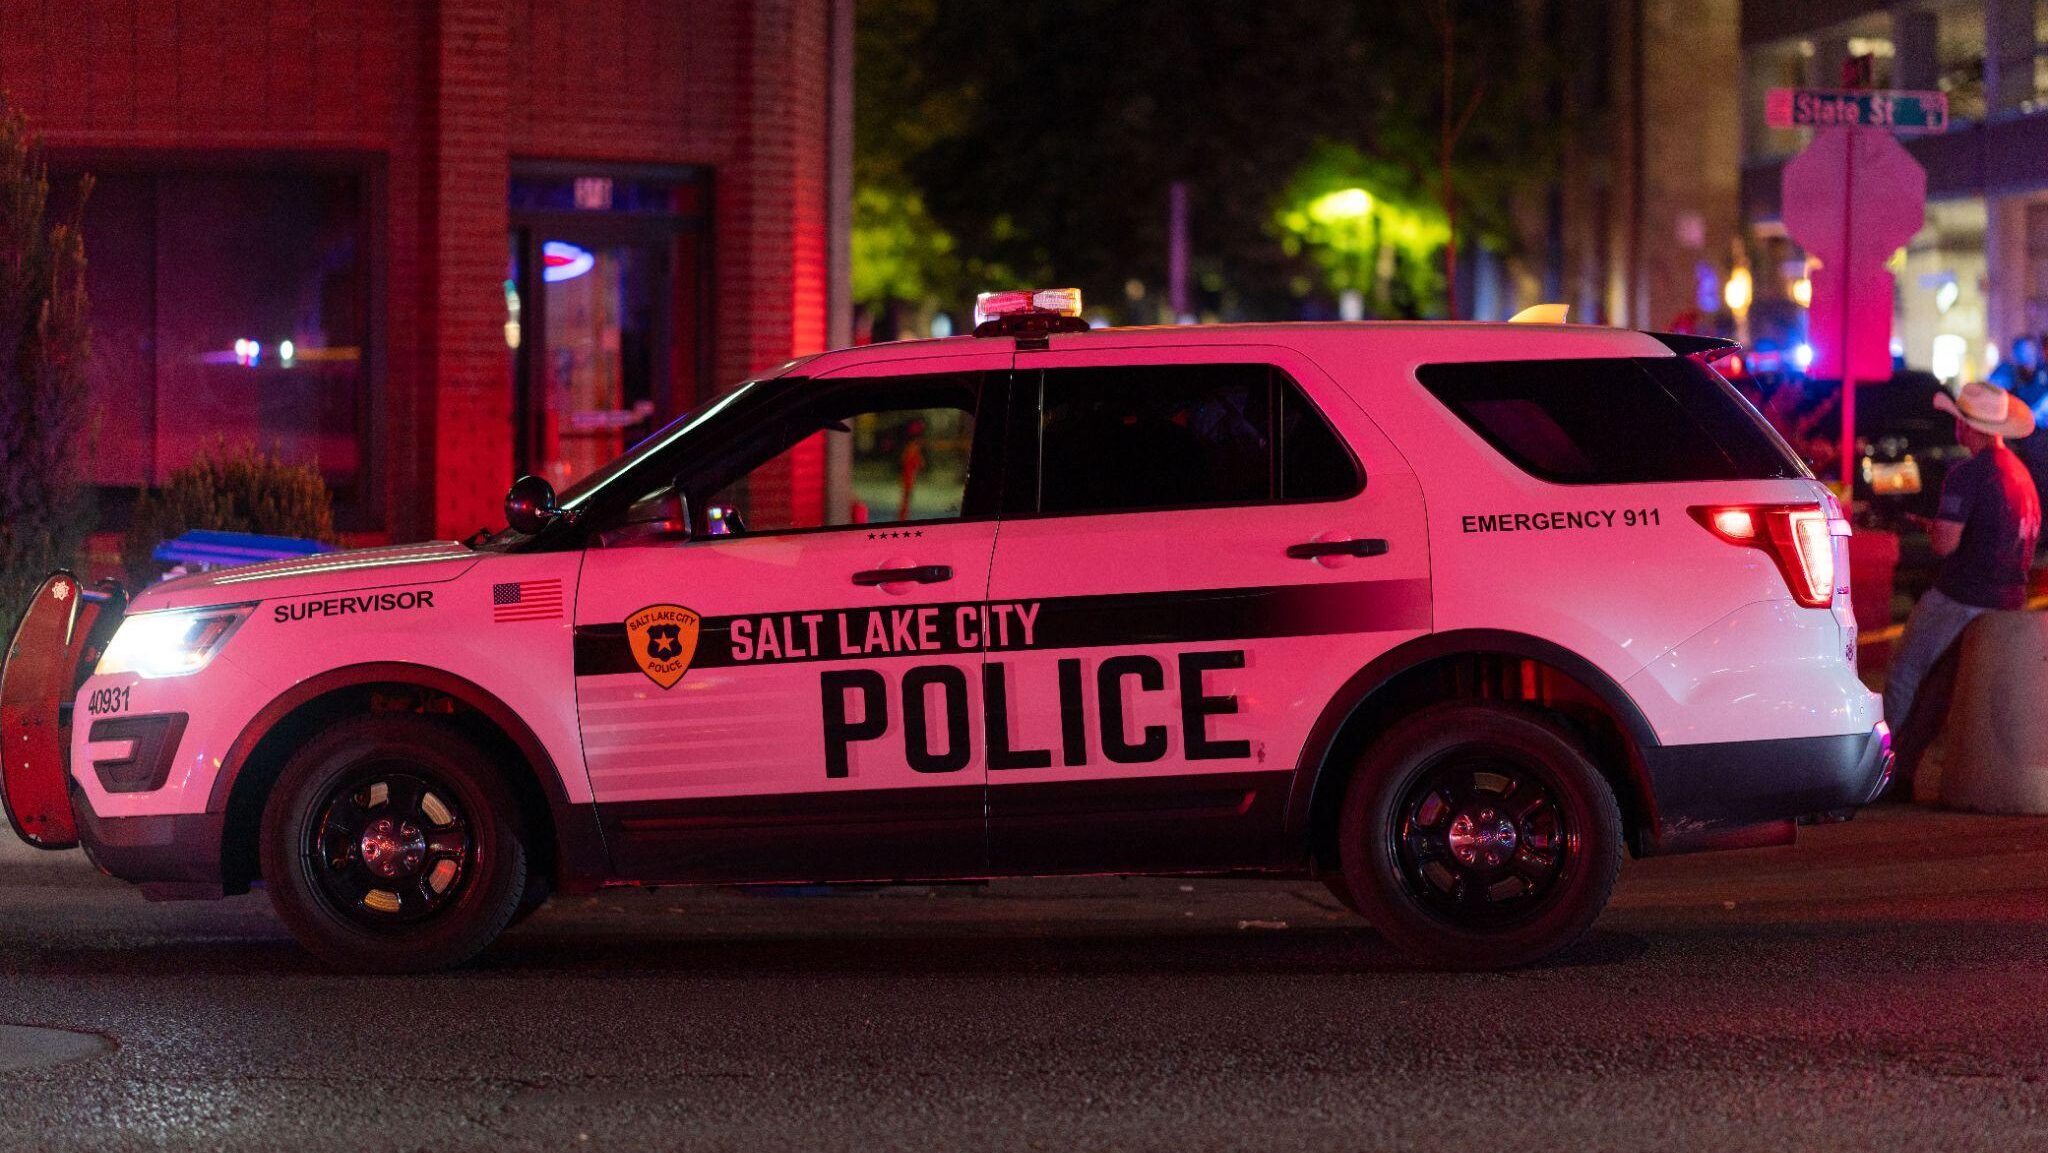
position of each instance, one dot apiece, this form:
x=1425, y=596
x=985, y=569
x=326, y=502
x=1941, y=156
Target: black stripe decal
x=1112, y=621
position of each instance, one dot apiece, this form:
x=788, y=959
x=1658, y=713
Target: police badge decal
x=664, y=640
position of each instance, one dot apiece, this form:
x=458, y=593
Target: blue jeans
x=1935, y=624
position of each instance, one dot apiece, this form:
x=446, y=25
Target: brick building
x=429, y=244
x=1638, y=229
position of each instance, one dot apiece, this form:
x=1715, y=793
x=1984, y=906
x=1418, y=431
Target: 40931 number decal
x=105, y=702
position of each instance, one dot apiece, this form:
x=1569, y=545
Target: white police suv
x=1450, y=615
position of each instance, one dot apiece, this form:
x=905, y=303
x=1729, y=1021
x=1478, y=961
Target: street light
x=1347, y=213
x=1346, y=205
x=1739, y=291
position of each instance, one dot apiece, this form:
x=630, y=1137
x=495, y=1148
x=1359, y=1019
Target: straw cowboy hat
x=1988, y=409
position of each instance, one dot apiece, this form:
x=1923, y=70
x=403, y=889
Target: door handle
x=924, y=574
x=1370, y=546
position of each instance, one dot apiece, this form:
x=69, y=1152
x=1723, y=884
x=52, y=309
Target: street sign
x=1851, y=200
x=1896, y=110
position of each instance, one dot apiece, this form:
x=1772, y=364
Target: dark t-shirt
x=2032, y=450
x=1992, y=497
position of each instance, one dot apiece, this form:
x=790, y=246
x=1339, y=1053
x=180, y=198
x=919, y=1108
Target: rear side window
x=1131, y=438
x=1613, y=421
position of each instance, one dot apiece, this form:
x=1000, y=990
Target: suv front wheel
x=391, y=844
x=1479, y=836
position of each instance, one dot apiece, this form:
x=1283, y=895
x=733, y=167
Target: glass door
x=592, y=316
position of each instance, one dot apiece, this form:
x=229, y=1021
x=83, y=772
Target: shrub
x=229, y=489
x=45, y=510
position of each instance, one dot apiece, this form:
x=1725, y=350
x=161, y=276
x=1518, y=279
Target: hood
x=321, y=575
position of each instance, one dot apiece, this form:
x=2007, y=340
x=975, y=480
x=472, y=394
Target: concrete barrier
x=1992, y=754
x=1927, y=771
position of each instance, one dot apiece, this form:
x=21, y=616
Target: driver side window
x=909, y=441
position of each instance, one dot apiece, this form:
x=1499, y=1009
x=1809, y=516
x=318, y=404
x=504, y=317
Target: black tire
x=450, y=846
x=1479, y=836
x=537, y=893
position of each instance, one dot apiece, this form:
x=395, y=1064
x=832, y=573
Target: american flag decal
x=527, y=601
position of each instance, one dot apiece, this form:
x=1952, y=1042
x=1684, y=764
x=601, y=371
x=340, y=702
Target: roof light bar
x=1051, y=301
x=1028, y=312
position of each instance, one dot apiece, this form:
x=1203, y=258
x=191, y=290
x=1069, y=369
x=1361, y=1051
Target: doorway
x=605, y=311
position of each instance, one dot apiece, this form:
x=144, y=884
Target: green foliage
x=227, y=489
x=1369, y=225
x=45, y=510
x=902, y=255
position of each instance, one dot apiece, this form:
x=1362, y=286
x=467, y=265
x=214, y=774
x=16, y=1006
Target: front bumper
x=172, y=856
x=1714, y=792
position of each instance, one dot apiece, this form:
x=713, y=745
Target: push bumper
x=1738, y=793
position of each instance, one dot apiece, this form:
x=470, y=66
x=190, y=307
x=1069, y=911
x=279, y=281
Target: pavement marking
x=28, y=1047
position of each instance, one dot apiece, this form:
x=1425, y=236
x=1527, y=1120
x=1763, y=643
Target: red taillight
x=1800, y=537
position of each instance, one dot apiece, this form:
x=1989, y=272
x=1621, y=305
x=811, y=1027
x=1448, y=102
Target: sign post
x=1851, y=200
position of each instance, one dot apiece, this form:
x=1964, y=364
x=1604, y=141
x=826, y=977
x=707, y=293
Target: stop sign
x=1851, y=199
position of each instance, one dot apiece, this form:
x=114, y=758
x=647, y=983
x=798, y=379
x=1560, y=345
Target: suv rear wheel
x=390, y=844
x=1479, y=836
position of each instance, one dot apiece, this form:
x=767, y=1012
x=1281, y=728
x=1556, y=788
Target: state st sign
x=1894, y=110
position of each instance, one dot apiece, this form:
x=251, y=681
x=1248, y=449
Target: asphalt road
x=1881, y=985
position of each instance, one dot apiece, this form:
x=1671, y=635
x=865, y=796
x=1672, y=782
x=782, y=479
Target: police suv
x=1448, y=615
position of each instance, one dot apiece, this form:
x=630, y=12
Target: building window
x=1781, y=65
x=227, y=306
x=1959, y=60
x=2040, y=53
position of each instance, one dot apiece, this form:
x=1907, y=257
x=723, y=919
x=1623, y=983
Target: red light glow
x=1799, y=537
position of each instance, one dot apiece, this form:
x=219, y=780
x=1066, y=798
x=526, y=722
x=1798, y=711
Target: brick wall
x=442, y=95
x=465, y=220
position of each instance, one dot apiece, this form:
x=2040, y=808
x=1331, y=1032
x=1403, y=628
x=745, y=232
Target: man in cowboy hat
x=1984, y=531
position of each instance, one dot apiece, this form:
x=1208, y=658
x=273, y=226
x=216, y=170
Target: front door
x=1218, y=539
x=792, y=694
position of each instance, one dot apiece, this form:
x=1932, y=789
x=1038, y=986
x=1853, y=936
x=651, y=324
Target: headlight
x=172, y=643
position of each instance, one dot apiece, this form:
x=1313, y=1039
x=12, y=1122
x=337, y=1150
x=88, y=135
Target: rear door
x=1201, y=546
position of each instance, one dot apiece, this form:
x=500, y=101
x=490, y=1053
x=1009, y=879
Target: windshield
x=584, y=489
x=587, y=490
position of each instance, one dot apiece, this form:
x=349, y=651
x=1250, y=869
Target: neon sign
x=561, y=260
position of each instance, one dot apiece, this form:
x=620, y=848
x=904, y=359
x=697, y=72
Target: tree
x=45, y=510
x=1043, y=137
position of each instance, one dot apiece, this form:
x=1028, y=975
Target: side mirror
x=663, y=519
x=656, y=521
x=530, y=505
